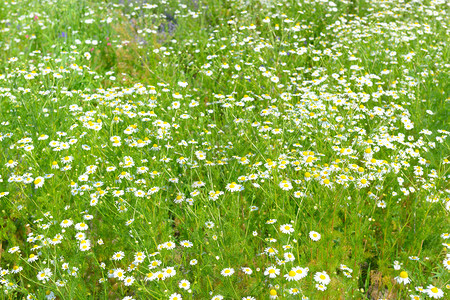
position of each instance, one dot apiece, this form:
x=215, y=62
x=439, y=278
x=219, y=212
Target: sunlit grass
x=224, y=150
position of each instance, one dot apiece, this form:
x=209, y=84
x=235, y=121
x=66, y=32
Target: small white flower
x=286, y=228
x=322, y=277
x=315, y=236
x=272, y=272
x=227, y=272
x=285, y=185
x=184, y=284
x=434, y=292
x=81, y=226
x=403, y=278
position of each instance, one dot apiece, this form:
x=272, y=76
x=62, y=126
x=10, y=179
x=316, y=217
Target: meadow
x=224, y=149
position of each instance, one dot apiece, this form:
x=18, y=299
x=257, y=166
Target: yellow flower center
x=404, y=274
x=291, y=273
x=273, y=292
x=434, y=290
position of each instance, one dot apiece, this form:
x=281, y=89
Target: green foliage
x=207, y=149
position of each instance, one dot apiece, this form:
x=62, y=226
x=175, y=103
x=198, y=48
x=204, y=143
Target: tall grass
x=224, y=149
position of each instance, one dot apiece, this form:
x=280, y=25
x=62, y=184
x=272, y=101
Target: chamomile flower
x=14, y=249
x=434, y=292
x=273, y=294
x=446, y=263
x=186, y=244
x=32, y=258
x=128, y=280
x=169, y=245
x=272, y=272
x=118, y=255
x=287, y=228
x=169, y=272
x=403, y=278
x=175, y=296
x=153, y=264
x=44, y=275
x=314, y=235
x=322, y=278
x=16, y=269
x=184, y=284
x=11, y=163
x=397, y=265
x=291, y=275
x=285, y=185
x=119, y=274
x=227, y=272
x=300, y=272
x=294, y=291
x=288, y=257
x=233, y=187
x=271, y=251
x=38, y=182
x=81, y=226
x=193, y=262
x=381, y=204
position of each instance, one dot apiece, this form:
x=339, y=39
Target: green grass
x=189, y=138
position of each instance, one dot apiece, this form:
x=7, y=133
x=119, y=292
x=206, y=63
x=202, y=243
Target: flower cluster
x=255, y=149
